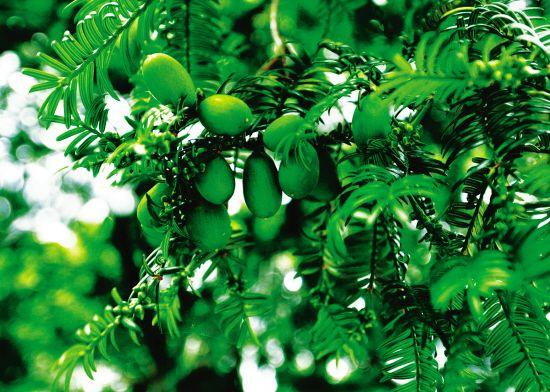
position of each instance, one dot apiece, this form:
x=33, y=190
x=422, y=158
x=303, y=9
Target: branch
x=279, y=46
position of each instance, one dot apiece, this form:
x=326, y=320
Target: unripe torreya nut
x=267, y=229
x=153, y=235
x=298, y=175
x=328, y=187
x=131, y=41
x=167, y=80
x=283, y=128
x=217, y=183
x=155, y=194
x=225, y=115
x=261, y=189
x=127, y=47
x=371, y=120
x=209, y=226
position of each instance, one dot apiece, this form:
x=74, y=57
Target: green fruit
x=371, y=120
x=217, y=183
x=129, y=48
x=153, y=235
x=298, y=176
x=267, y=229
x=167, y=80
x=209, y=226
x=155, y=194
x=261, y=189
x=225, y=115
x=281, y=129
x=328, y=186
x=131, y=41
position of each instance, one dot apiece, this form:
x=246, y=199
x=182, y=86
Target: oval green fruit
x=167, y=80
x=131, y=40
x=371, y=119
x=281, y=129
x=217, y=183
x=225, y=115
x=298, y=176
x=209, y=226
x=261, y=189
x=328, y=186
x=267, y=229
x=153, y=235
x=155, y=194
x=126, y=47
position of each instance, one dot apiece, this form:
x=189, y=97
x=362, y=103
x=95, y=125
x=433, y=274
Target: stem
x=235, y=159
x=328, y=22
x=393, y=247
x=252, y=333
x=425, y=220
x=455, y=11
x=373, y=256
x=474, y=219
x=420, y=115
x=279, y=47
x=417, y=358
x=278, y=42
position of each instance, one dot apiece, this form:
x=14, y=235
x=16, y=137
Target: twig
x=278, y=43
x=279, y=49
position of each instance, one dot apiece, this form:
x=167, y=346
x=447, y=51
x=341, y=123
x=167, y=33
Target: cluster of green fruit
x=305, y=171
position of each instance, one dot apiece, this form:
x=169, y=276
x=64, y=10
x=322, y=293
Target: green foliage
x=97, y=334
x=410, y=358
x=482, y=275
x=456, y=161
x=339, y=331
x=236, y=311
x=517, y=341
x=194, y=33
x=83, y=57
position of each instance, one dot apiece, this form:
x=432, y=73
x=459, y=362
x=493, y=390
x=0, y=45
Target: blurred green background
x=67, y=238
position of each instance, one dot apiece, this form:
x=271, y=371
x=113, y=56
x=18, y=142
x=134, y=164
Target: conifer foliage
x=448, y=145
